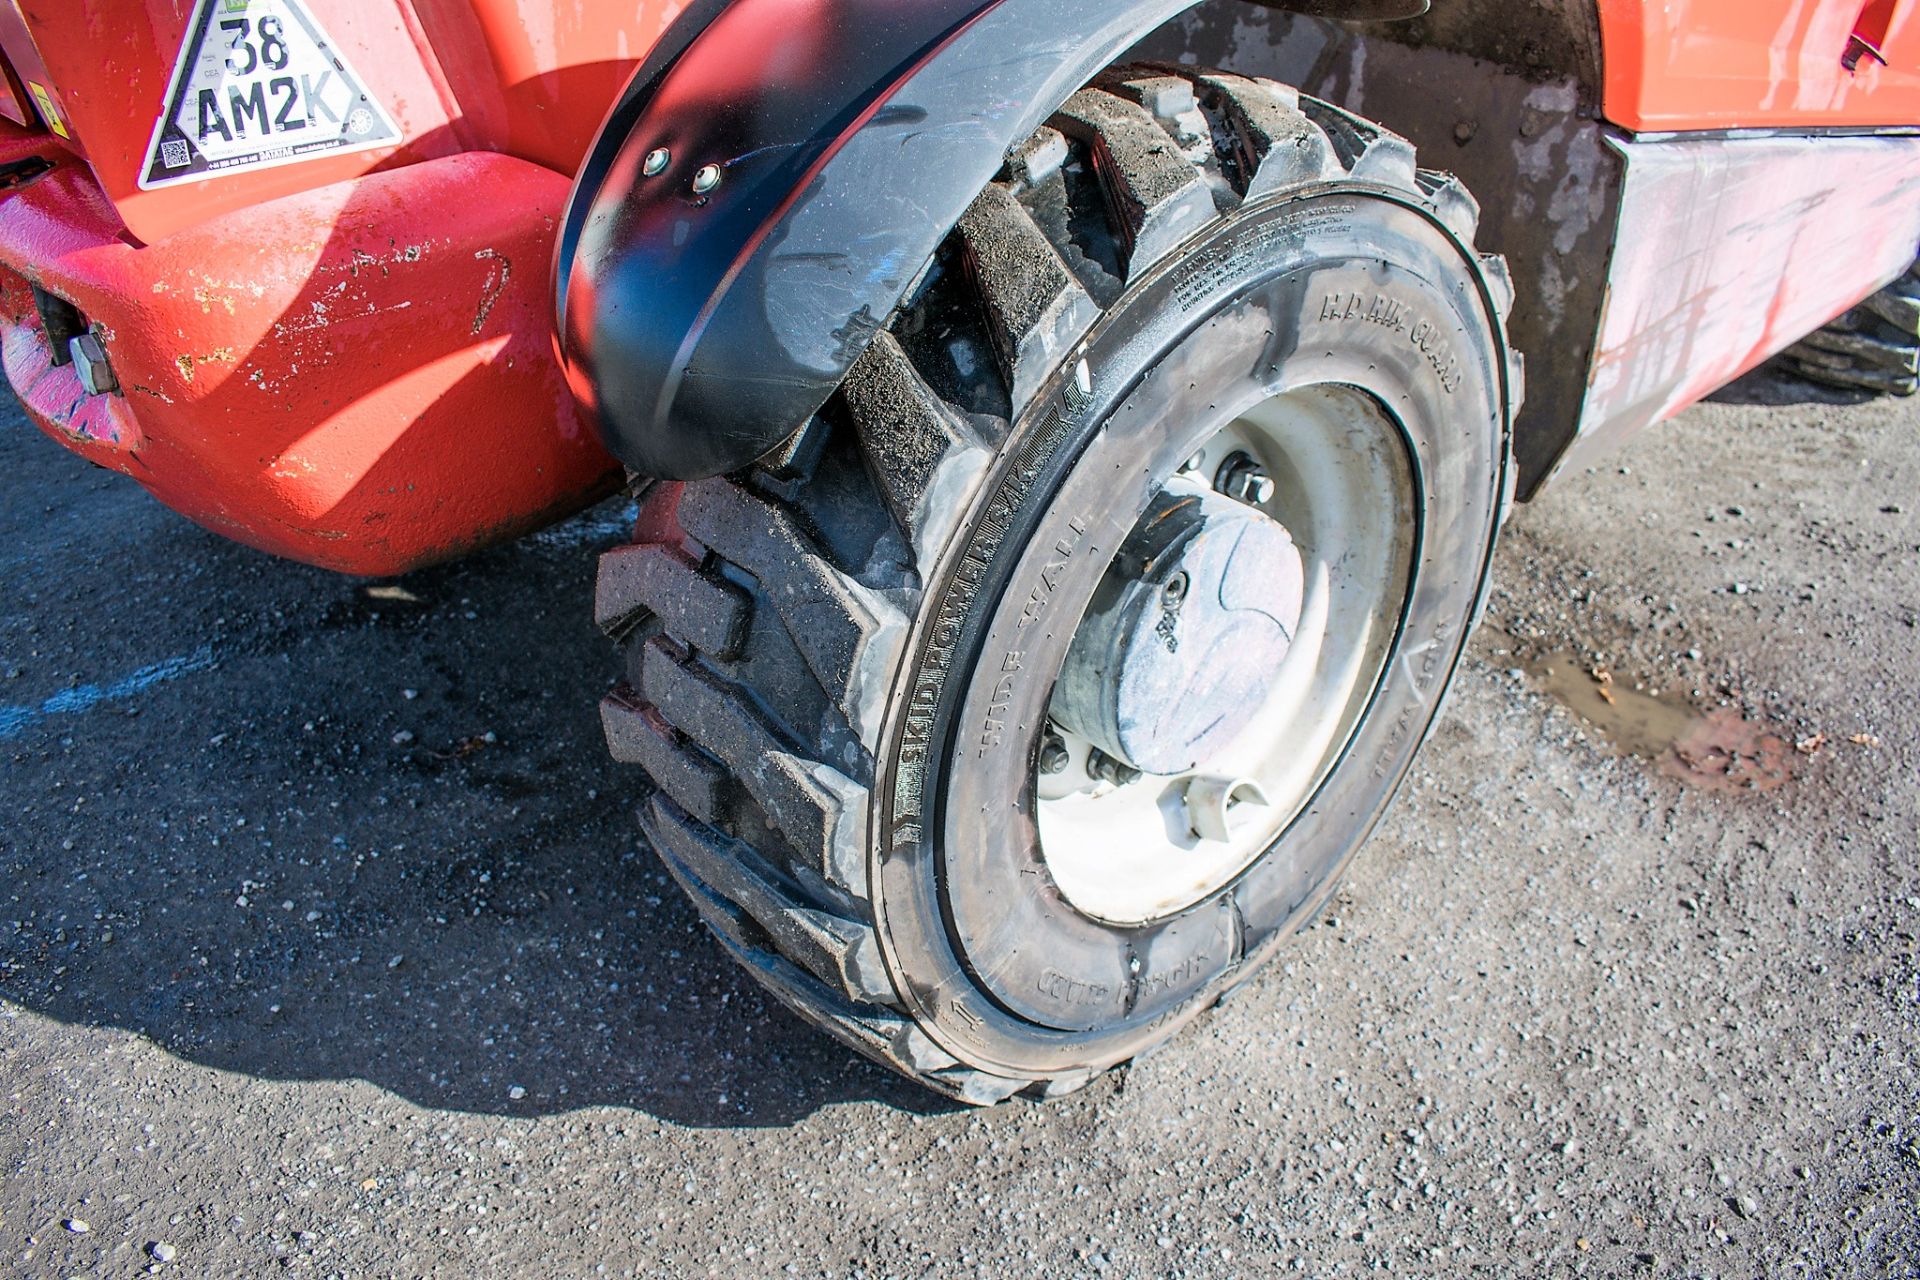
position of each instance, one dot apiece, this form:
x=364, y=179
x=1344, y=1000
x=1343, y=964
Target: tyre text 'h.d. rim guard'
x=1035, y=957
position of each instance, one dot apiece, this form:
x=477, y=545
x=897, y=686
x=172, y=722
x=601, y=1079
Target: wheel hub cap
x=1182, y=640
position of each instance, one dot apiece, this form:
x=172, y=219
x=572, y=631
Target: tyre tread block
x=1451, y=202
x=1499, y=280
x=1898, y=304
x=1364, y=148
x=1035, y=307
x=1037, y=159
x=871, y=1031
x=1862, y=350
x=638, y=734
x=829, y=616
x=1170, y=99
x=720, y=718
x=1155, y=195
x=841, y=953
x=1166, y=95
x=651, y=580
x=907, y=432
x=1884, y=381
x=1275, y=144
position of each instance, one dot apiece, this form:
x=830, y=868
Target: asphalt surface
x=327, y=944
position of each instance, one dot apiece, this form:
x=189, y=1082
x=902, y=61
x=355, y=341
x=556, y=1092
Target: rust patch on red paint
x=499, y=269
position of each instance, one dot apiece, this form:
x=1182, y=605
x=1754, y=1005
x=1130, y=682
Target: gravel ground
x=326, y=942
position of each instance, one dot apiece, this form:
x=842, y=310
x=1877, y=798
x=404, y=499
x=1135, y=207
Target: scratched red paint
x=1833, y=219
x=345, y=360
x=358, y=377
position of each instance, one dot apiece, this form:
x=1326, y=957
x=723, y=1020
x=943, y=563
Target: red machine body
x=343, y=357
x=1686, y=65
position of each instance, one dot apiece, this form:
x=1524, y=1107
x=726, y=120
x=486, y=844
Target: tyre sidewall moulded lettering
x=1352, y=287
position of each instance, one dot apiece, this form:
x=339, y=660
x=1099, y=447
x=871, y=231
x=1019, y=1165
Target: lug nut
x=656, y=162
x=706, y=179
x=1054, y=756
x=1244, y=480
x=1104, y=768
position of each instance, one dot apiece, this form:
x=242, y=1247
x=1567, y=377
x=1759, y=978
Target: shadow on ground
x=1773, y=384
x=303, y=827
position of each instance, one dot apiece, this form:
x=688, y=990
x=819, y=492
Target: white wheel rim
x=1343, y=488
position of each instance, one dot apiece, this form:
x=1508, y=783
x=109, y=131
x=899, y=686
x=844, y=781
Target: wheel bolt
x=1244, y=480
x=1054, y=756
x=1104, y=768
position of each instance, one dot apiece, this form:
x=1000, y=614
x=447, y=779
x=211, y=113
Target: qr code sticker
x=173, y=153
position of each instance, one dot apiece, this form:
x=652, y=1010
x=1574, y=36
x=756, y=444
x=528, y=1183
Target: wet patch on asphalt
x=1719, y=750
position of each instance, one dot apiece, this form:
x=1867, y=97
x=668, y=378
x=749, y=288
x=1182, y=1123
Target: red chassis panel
x=527, y=78
x=1674, y=65
x=357, y=376
x=1729, y=248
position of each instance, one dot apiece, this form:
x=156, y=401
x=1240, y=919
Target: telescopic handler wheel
x=1026, y=699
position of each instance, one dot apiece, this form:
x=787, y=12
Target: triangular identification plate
x=258, y=84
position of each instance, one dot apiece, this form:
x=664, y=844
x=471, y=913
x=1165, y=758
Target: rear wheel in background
x=1035, y=691
x=1873, y=347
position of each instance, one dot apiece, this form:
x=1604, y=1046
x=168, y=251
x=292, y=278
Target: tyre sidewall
x=1352, y=286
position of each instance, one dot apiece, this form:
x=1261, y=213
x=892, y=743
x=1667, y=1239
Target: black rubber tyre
x=1873, y=347
x=805, y=642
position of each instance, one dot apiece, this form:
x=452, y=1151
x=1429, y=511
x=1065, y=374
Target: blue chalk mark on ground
x=15, y=720
x=609, y=522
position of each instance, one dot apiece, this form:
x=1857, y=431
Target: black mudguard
x=847, y=137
